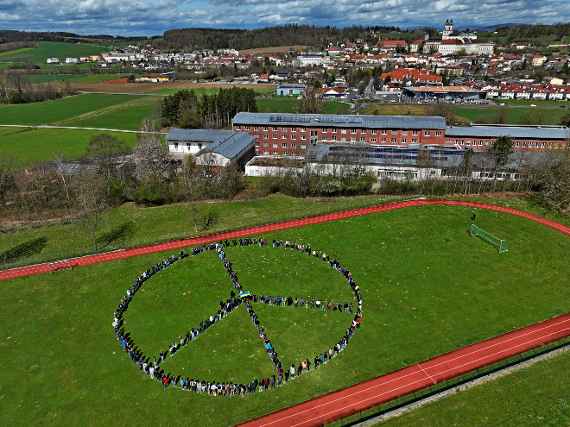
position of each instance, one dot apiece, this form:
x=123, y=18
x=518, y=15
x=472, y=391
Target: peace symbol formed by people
x=239, y=297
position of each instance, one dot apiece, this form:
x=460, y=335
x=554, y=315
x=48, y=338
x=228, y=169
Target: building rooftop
x=527, y=132
x=439, y=156
x=443, y=89
x=343, y=121
x=291, y=86
x=227, y=143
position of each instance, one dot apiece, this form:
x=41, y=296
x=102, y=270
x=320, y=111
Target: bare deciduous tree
x=91, y=200
x=151, y=155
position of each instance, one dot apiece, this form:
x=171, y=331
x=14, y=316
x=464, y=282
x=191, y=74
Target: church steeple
x=448, y=28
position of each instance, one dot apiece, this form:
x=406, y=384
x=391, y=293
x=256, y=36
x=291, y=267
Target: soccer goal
x=500, y=244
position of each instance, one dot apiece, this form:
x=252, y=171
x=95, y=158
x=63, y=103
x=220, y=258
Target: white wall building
x=211, y=147
x=312, y=60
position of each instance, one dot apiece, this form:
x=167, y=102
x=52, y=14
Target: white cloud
x=155, y=16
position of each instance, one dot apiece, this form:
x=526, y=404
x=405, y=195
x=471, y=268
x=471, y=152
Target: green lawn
x=29, y=146
x=172, y=221
x=520, y=115
x=125, y=115
x=536, y=396
x=427, y=287
x=284, y=104
x=4, y=65
x=50, y=112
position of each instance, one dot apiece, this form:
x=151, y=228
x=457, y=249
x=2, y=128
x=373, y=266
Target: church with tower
x=454, y=43
x=450, y=34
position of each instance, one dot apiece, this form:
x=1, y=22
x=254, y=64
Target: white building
x=455, y=47
x=52, y=61
x=312, y=60
x=453, y=43
x=211, y=147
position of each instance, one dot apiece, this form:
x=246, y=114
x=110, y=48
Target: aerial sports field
x=428, y=288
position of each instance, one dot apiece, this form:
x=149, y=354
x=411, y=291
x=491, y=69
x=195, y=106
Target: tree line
x=16, y=89
x=536, y=33
x=187, y=110
x=285, y=35
x=110, y=174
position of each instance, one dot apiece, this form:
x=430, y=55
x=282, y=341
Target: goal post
x=500, y=244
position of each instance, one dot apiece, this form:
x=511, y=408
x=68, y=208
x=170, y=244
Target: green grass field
x=523, y=398
x=427, y=287
x=30, y=146
x=519, y=113
x=38, y=55
x=173, y=221
x=74, y=78
x=52, y=112
x=128, y=115
x=284, y=104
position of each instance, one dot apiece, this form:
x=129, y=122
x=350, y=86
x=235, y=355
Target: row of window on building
x=516, y=144
x=285, y=131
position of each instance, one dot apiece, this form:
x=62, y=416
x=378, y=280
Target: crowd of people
x=302, y=302
x=152, y=368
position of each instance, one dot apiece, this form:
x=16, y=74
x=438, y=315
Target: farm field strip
x=50, y=112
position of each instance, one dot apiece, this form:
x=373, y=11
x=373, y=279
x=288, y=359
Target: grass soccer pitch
x=427, y=286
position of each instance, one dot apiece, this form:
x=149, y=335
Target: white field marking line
x=446, y=361
x=426, y=374
x=419, y=381
x=432, y=366
x=81, y=128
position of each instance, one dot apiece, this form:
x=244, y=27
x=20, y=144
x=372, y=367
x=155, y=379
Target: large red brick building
x=289, y=134
x=524, y=138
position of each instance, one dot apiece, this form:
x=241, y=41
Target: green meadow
x=427, y=286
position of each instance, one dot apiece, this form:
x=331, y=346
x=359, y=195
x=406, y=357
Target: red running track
x=48, y=267
x=380, y=390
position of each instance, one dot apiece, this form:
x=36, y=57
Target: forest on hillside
x=287, y=35
x=538, y=35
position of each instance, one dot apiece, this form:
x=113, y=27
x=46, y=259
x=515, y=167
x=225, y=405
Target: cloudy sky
x=148, y=17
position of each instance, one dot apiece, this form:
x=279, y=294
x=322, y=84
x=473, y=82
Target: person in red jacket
x=165, y=381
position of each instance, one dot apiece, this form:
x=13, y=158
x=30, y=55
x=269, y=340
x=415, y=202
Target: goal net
x=500, y=244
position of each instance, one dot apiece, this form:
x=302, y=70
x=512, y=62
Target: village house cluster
x=452, y=67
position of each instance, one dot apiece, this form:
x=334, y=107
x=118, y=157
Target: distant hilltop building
x=450, y=34
x=453, y=43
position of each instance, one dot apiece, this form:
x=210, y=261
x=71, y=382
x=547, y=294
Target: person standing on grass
x=165, y=381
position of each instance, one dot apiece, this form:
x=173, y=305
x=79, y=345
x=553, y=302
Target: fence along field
x=428, y=290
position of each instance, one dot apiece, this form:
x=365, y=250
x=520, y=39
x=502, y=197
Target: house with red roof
x=392, y=44
x=416, y=76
